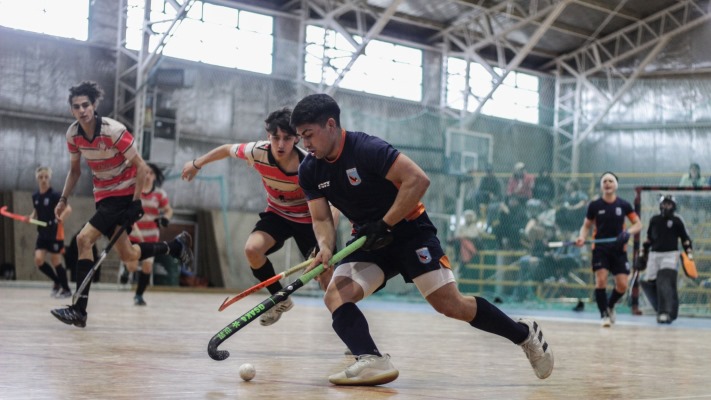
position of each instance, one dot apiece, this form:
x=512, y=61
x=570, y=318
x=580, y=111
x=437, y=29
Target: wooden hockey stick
x=97, y=264
x=251, y=315
x=22, y=218
x=276, y=278
x=572, y=242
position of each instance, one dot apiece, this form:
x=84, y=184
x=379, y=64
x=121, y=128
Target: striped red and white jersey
x=284, y=195
x=154, y=204
x=107, y=155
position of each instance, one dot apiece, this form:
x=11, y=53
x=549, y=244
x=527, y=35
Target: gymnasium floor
x=159, y=352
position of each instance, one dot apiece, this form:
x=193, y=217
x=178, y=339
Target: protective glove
x=162, y=221
x=623, y=237
x=133, y=213
x=378, y=235
x=641, y=263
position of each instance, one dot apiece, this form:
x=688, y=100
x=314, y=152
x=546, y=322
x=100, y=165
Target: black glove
x=133, y=213
x=162, y=221
x=378, y=235
x=641, y=264
x=623, y=237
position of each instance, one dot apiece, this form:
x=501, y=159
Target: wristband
x=63, y=199
x=195, y=165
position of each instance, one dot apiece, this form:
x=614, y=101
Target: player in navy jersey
x=50, y=239
x=607, y=215
x=287, y=214
x=379, y=190
x=119, y=173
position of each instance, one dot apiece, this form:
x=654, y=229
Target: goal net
x=694, y=206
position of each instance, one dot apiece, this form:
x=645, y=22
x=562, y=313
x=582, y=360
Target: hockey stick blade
x=229, y=301
x=21, y=218
x=251, y=315
x=97, y=264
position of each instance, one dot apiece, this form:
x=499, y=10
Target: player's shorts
x=611, y=259
x=281, y=229
x=415, y=250
x=50, y=245
x=110, y=214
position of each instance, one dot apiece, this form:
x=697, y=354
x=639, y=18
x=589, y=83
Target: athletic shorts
x=281, y=229
x=110, y=214
x=50, y=245
x=611, y=259
x=414, y=251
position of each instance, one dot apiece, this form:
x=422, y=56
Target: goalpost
x=694, y=207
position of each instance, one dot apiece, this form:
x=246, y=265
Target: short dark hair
x=316, y=108
x=280, y=119
x=159, y=175
x=90, y=89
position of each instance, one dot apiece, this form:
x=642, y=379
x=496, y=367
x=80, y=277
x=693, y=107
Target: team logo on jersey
x=102, y=145
x=46, y=201
x=423, y=254
x=324, y=185
x=353, y=176
x=601, y=212
x=670, y=223
x=618, y=211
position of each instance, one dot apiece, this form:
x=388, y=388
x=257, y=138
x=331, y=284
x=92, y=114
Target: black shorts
x=281, y=229
x=611, y=259
x=51, y=245
x=415, y=250
x=110, y=214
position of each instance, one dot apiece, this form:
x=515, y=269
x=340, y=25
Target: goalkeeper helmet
x=667, y=205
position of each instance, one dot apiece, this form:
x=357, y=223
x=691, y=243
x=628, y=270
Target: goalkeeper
x=658, y=259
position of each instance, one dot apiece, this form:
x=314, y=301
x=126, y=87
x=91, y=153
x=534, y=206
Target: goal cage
x=693, y=205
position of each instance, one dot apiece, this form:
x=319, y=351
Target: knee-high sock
x=62, y=276
x=49, y=271
x=83, y=267
x=265, y=272
x=490, y=319
x=614, y=297
x=352, y=327
x=149, y=250
x=143, y=279
x=601, y=299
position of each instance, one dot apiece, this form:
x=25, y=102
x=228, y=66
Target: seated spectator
x=510, y=224
x=544, y=188
x=466, y=237
x=489, y=191
x=521, y=183
x=573, y=207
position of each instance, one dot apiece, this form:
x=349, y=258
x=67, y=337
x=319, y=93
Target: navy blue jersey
x=664, y=233
x=355, y=181
x=44, y=204
x=609, y=218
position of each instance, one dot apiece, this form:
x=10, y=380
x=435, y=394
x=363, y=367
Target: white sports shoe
x=368, y=370
x=537, y=350
x=612, y=314
x=274, y=313
x=606, y=322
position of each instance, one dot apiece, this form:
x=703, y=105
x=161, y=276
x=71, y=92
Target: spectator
x=572, y=210
x=693, y=178
x=489, y=190
x=521, y=182
x=511, y=222
x=544, y=188
x=466, y=237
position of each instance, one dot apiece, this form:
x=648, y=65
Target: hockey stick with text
x=276, y=278
x=266, y=305
x=97, y=264
x=572, y=242
x=22, y=218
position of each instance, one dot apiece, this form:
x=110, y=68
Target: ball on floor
x=247, y=372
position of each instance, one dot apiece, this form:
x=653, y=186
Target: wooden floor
x=159, y=352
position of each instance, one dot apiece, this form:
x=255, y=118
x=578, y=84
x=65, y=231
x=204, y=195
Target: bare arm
x=218, y=153
x=141, y=171
x=167, y=211
x=69, y=184
x=412, y=183
x=636, y=226
x=583, y=234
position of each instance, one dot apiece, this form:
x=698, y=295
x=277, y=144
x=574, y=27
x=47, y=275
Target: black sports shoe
x=186, y=251
x=70, y=316
x=138, y=300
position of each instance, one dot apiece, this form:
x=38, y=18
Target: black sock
x=143, y=279
x=614, y=296
x=49, y=271
x=352, y=327
x=601, y=300
x=490, y=319
x=265, y=272
x=62, y=277
x=83, y=267
x=149, y=250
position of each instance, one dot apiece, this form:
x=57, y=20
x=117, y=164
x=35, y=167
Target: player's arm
x=141, y=172
x=324, y=229
x=191, y=168
x=69, y=184
x=412, y=183
x=65, y=214
x=584, y=230
x=636, y=226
